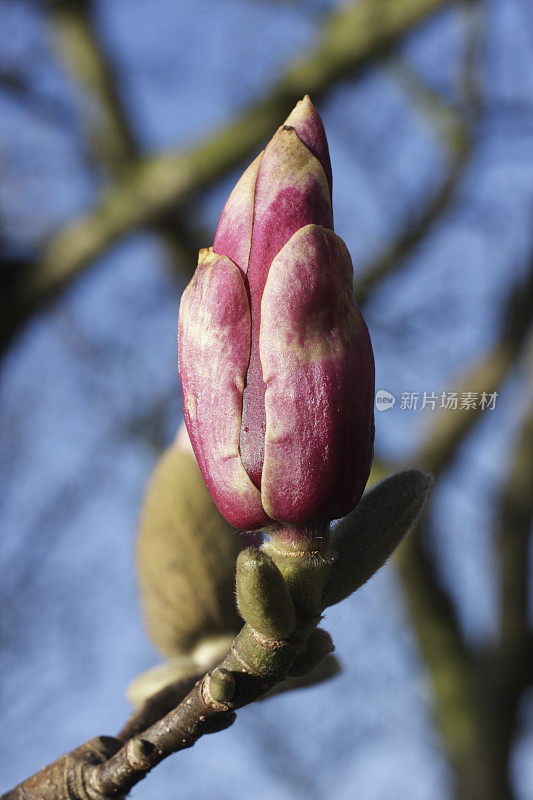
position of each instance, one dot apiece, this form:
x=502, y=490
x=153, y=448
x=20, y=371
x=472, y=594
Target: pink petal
x=234, y=232
x=214, y=349
x=305, y=120
x=319, y=372
x=291, y=191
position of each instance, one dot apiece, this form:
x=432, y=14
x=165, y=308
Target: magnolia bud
x=221, y=685
x=364, y=540
x=275, y=359
x=186, y=555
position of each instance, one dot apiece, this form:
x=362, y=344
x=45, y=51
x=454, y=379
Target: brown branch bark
x=255, y=663
x=352, y=38
x=197, y=714
x=156, y=706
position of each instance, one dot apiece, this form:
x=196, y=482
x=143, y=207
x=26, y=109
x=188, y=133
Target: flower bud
x=363, y=541
x=186, y=556
x=263, y=597
x=275, y=359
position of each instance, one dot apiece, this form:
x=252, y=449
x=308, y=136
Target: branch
x=163, y=701
x=457, y=133
x=156, y=706
x=453, y=426
x=282, y=590
x=513, y=537
x=451, y=667
x=414, y=232
x=465, y=709
x=511, y=662
x=476, y=701
x=111, y=147
x=352, y=38
x=104, y=118
x=111, y=140
x=279, y=601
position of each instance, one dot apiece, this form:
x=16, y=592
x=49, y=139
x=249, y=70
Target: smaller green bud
x=364, y=540
x=221, y=685
x=186, y=554
x=317, y=647
x=263, y=598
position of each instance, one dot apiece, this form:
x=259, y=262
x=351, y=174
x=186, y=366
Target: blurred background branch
x=352, y=38
x=476, y=716
x=510, y=664
x=110, y=137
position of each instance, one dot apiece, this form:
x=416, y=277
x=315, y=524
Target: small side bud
x=316, y=648
x=221, y=685
x=364, y=540
x=186, y=554
x=263, y=598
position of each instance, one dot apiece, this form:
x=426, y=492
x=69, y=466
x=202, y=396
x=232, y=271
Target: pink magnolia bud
x=275, y=360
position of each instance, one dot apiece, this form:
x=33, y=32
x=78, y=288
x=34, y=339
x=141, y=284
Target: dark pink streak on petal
x=291, y=191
